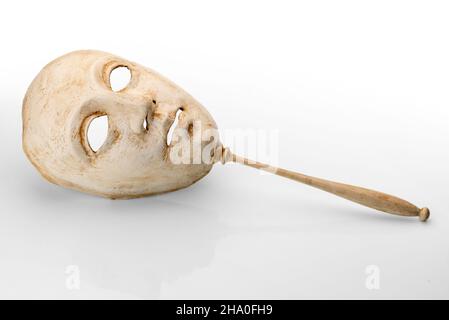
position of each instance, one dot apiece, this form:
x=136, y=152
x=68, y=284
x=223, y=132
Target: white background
x=359, y=93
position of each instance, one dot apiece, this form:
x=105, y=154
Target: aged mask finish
x=135, y=159
x=73, y=90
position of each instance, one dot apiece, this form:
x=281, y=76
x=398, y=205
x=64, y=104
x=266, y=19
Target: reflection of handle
x=370, y=198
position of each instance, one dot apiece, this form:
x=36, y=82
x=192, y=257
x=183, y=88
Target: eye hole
x=119, y=78
x=97, y=132
x=173, y=127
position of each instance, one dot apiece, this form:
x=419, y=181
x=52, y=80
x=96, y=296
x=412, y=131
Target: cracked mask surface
x=133, y=161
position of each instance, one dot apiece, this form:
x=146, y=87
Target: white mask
x=134, y=160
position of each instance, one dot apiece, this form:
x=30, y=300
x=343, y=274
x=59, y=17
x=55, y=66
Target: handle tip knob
x=424, y=214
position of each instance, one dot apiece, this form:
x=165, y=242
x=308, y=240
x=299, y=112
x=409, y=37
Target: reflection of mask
x=133, y=161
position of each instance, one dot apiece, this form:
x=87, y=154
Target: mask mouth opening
x=174, y=125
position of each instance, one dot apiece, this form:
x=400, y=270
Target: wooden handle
x=369, y=198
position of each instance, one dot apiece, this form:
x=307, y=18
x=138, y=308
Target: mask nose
x=131, y=113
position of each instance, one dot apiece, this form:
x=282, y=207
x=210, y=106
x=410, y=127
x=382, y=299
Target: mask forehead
x=73, y=90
